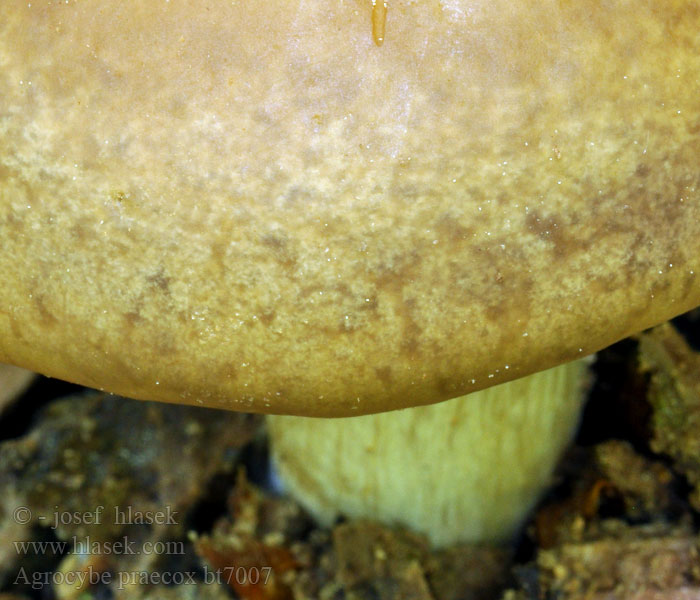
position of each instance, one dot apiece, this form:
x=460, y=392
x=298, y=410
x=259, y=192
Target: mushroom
x=256, y=206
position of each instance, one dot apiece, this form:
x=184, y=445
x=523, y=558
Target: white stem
x=466, y=470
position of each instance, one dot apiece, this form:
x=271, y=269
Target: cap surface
x=254, y=206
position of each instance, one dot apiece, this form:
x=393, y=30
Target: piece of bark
x=13, y=382
x=674, y=393
x=624, y=563
x=256, y=541
x=95, y=450
x=641, y=483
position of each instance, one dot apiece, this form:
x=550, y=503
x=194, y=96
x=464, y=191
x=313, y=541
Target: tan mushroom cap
x=254, y=206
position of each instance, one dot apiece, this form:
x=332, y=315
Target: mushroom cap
x=252, y=205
